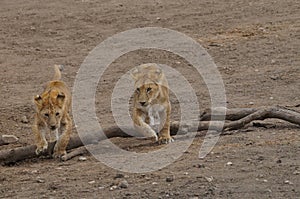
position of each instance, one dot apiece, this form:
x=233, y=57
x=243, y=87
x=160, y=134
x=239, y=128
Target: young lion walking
x=52, y=115
x=152, y=106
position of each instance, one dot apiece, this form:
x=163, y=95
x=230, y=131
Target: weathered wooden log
x=242, y=117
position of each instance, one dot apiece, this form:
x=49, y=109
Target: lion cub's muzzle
x=143, y=104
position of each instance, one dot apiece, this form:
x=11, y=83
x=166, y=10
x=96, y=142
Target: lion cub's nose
x=52, y=127
x=143, y=103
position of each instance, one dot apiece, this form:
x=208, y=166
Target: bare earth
x=255, y=44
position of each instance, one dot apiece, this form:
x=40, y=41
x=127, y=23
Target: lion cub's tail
x=58, y=69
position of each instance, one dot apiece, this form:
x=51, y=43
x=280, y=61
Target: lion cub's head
x=50, y=106
x=148, y=81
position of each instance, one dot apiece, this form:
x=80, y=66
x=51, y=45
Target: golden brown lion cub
x=52, y=115
x=152, y=106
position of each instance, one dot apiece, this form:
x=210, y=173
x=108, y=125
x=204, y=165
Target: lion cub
x=52, y=108
x=151, y=109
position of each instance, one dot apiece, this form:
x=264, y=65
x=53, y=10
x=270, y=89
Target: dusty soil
x=255, y=44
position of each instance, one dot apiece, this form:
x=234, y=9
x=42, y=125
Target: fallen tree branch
x=77, y=151
x=241, y=116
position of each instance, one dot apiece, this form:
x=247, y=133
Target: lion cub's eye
x=138, y=90
x=46, y=114
x=149, y=90
x=57, y=114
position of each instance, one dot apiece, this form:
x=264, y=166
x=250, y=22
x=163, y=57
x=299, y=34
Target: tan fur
x=151, y=102
x=52, y=114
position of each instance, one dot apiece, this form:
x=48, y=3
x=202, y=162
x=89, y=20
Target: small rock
x=9, y=139
x=229, y=163
x=24, y=119
x=251, y=103
x=288, y=182
x=273, y=61
x=82, y=158
x=296, y=172
x=154, y=183
x=273, y=77
x=157, y=18
x=260, y=176
x=39, y=180
x=278, y=161
x=34, y=171
x=119, y=175
x=113, y=187
x=264, y=180
x=170, y=178
x=186, y=173
x=209, y=179
x=92, y=182
x=123, y=184
x=271, y=98
x=200, y=166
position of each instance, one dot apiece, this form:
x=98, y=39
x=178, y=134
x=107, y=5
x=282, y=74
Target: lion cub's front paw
x=59, y=154
x=165, y=140
x=41, y=148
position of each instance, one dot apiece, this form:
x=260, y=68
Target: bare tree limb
x=241, y=118
x=77, y=151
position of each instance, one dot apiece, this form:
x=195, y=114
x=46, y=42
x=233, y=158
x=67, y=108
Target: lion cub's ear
x=157, y=75
x=60, y=98
x=135, y=73
x=38, y=101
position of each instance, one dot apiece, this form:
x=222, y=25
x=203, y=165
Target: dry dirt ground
x=255, y=44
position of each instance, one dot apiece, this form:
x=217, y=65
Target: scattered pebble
x=39, y=180
x=288, y=182
x=82, y=158
x=9, y=139
x=251, y=103
x=186, y=173
x=34, y=171
x=24, y=119
x=260, y=176
x=113, y=187
x=123, y=184
x=92, y=182
x=199, y=166
x=170, y=178
x=119, y=175
x=264, y=180
x=273, y=77
x=278, y=161
x=154, y=183
x=209, y=179
x=271, y=98
x=229, y=163
x=296, y=172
